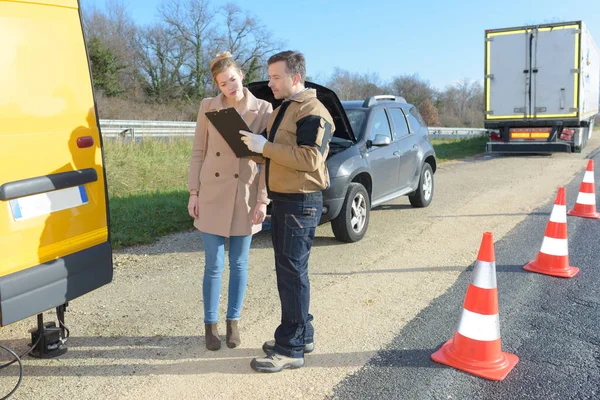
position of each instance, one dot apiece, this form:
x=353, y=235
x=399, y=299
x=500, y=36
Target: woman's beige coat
x=228, y=187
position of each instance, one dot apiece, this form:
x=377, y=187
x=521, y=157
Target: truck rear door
x=507, y=56
x=532, y=73
x=555, y=74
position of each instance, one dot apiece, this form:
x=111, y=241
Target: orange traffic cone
x=476, y=347
x=585, y=206
x=553, y=258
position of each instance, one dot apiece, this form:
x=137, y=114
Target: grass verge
x=457, y=149
x=147, y=189
x=141, y=218
x=147, y=185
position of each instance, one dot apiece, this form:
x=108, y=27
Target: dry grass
x=131, y=109
x=454, y=149
x=147, y=187
x=147, y=166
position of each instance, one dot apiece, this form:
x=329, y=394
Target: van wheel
x=424, y=193
x=352, y=222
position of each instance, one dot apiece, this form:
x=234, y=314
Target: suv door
x=383, y=160
x=409, y=148
x=405, y=141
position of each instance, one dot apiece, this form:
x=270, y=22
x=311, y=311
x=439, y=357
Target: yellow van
x=54, y=241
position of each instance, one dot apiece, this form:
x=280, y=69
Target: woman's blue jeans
x=214, y=250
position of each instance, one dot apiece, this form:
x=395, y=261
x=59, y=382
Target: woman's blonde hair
x=221, y=62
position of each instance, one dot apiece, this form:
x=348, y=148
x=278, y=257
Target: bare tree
x=162, y=57
x=191, y=21
x=462, y=104
x=247, y=40
x=415, y=90
x=429, y=113
x=353, y=86
x=115, y=32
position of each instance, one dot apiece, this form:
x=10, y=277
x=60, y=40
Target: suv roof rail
x=374, y=99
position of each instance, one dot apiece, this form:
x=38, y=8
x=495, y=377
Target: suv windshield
x=356, y=117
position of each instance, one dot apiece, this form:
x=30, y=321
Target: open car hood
x=343, y=130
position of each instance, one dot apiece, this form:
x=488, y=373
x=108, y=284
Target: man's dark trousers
x=293, y=225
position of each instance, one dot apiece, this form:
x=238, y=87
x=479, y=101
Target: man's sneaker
x=275, y=362
x=269, y=346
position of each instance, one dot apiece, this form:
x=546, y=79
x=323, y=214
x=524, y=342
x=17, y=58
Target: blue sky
x=441, y=41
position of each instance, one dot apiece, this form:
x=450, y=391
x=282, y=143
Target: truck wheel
x=352, y=222
x=424, y=193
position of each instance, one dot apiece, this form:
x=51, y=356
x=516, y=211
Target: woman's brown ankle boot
x=233, y=334
x=211, y=336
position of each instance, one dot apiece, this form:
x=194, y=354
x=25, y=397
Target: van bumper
x=49, y=285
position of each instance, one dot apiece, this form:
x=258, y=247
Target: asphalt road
x=551, y=324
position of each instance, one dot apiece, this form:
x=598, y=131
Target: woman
x=228, y=198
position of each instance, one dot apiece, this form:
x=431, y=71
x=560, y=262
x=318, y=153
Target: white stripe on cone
x=478, y=326
x=559, y=214
x=484, y=275
x=588, y=177
x=586, y=198
x=555, y=247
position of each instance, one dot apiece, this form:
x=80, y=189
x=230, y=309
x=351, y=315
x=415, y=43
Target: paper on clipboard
x=229, y=123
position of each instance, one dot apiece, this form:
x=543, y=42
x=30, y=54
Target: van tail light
x=85, y=142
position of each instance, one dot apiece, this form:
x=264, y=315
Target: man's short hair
x=294, y=62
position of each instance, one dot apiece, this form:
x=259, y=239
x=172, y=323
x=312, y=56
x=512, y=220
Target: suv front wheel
x=352, y=222
x=424, y=193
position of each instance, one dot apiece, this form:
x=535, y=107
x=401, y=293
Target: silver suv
x=380, y=151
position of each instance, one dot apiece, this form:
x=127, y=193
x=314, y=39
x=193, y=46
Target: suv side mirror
x=381, y=140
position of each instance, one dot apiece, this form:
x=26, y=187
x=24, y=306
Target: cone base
x=594, y=214
x=495, y=371
x=533, y=266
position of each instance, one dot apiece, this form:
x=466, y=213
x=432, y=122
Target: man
x=295, y=150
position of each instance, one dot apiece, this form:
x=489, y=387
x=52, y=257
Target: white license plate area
x=47, y=203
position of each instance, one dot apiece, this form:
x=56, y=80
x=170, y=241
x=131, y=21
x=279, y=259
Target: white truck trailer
x=541, y=88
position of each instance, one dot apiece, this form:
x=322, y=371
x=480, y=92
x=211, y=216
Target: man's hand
x=255, y=143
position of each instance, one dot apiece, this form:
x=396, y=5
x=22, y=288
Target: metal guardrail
x=137, y=130
x=455, y=133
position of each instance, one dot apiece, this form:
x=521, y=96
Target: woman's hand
x=193, y=206
x=260, y=212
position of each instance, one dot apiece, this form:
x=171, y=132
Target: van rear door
x=53, y=201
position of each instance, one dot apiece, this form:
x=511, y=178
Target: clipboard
x=229, y=123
